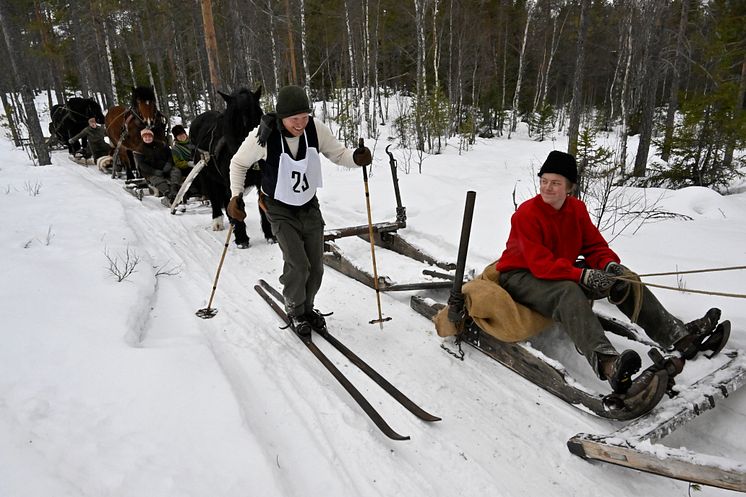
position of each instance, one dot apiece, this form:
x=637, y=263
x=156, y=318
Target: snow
x=118, y=389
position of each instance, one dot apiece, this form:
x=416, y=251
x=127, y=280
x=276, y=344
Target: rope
x=709, y=270
x=686, y=290
x=634, y=280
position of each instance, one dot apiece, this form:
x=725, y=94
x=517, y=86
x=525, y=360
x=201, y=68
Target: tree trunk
x=211, y=45
x=673, y=98
x=649, y=87
x=576, y=104
x=304, y=48
x=111, y=94
x=623, y=108
x=38, y=146
x=738, y=110
x=274, y=46
x=293, y=77
x=521, y=61
x=8, y=108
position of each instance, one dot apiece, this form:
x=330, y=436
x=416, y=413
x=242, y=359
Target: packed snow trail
x=119, y=389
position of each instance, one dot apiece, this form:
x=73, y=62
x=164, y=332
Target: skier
x=538, y=269
x=155, y=163
x=288, y=142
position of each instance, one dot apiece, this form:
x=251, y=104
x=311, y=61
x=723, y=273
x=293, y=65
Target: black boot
x=621, y=370
x=316, y=320
x=714, y=341
x=301, y=326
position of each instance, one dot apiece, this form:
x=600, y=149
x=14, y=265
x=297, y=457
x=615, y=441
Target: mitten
x=596, y=283
x=362, y=156
x=620, y=288
x=615, y=268
x=237, y=208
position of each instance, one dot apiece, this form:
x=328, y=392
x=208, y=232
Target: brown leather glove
x=362, y=156
x=236, y=208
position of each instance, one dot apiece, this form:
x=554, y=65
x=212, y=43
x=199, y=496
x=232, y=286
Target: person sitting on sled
x=538, y=269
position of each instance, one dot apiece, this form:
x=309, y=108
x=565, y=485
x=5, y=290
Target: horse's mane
x=142, y=93
x=242, y=114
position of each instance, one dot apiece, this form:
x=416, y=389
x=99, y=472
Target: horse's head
x=242, y=114
x=143, y=105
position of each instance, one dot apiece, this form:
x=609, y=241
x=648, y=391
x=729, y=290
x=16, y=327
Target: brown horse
x=123, y=126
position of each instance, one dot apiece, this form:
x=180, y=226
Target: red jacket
x=547, y=241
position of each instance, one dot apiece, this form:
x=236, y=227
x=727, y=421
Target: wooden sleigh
x=639, y=443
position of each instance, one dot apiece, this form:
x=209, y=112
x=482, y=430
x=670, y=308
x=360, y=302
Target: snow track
x=144, y=398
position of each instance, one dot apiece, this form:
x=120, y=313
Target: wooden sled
x=636, y=445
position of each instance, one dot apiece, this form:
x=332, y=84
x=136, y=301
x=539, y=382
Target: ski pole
x=380, y=319
x=209, y=312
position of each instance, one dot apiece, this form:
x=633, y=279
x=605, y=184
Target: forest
x=672, y=72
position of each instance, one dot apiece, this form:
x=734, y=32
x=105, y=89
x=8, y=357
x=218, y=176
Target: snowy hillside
x=118, y=389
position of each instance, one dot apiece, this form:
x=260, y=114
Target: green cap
x=292, y=100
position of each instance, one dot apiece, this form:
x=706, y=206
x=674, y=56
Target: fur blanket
x=494, y=311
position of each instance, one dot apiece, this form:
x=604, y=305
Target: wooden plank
x=333, y=234
x=393, y=241
x=425, y=285
x=672, y=463
x=335, y=260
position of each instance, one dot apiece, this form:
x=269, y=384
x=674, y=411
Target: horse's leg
x=216, y=195
x=128, y=169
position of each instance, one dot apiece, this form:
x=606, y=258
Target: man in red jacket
x=538, y=269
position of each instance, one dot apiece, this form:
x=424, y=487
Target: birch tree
x=530, y=5
x=304, y=48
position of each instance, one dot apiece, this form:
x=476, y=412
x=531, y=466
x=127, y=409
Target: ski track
x=292, y=394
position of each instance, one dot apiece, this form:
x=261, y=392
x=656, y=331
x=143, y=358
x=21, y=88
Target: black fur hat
x=292, y=100
x=178, y=130
x=561, y=163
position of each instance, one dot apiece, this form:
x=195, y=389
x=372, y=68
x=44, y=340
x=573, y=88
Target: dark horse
x=123, y=126
x=220, y=134
x=70, y=118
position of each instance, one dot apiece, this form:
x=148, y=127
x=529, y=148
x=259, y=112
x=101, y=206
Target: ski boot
x=642, y=395
x=624, y=366
x=316, y=320
x=705, y=334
